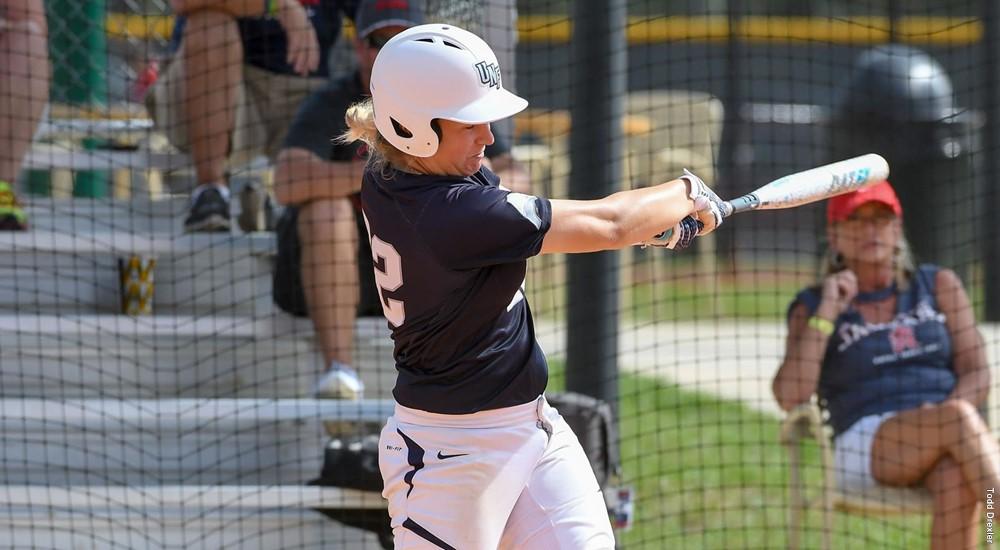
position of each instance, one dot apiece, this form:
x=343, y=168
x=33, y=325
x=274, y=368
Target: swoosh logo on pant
x=444, y=457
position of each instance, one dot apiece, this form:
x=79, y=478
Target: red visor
x=840, y=207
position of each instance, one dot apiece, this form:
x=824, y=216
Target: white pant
x=852, y=452
x=508, y=478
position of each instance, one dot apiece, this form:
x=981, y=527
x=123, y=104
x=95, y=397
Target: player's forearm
x=642, y=213
x=236, y=8
x=301, y=177
x=616, y=221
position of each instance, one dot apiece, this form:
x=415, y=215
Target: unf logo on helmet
x=489, y=74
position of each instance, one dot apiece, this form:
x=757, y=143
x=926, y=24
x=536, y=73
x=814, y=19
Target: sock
x=338, y=365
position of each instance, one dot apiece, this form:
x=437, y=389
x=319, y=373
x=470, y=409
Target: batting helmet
x=436, y=71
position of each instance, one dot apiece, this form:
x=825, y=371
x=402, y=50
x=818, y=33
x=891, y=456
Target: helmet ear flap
x=410, y=135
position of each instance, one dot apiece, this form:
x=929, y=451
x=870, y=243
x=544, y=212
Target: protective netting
x=185, y=295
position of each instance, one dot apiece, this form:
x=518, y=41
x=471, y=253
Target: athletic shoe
x=210, y=212
x=339, y=382
x=12, y=216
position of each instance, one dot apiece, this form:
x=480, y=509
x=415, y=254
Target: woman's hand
x=838, y=291
x=303, y=47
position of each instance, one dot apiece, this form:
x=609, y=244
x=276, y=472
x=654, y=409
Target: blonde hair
x=903, y=264
x=382, y=156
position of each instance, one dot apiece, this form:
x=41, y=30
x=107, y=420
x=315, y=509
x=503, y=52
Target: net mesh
x=183, y=266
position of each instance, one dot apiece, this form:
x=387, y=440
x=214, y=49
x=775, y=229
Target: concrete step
x=78, y=272
x=79, y=356
x=114, y=442
x=162, y=216
x=178, y=529
x=79, y=215
x=167, y=497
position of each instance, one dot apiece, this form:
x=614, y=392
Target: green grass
x=693, y=300
x=655, y=288
x=710, y=473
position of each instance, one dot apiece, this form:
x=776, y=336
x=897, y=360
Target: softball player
x=474, y=457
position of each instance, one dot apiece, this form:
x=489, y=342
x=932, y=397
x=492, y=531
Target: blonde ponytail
x=382, y=156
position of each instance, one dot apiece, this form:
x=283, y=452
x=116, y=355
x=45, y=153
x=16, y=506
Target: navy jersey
x=264, y=42
x=450, y=259
x=873, y=368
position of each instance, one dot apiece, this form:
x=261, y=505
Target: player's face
x=461, y=151
x=869, y=235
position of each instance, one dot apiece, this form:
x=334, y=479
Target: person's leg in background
x=329, y=240
x=213, y=76
x=270, y=105
x=955, y=525
x=930, y=445
x=24, y=91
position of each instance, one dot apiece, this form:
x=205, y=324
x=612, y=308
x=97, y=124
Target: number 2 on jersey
x=388, y=277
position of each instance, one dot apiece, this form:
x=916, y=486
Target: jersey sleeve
x=478, y=226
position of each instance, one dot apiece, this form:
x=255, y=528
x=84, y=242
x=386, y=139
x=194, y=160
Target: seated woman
x=893, y=353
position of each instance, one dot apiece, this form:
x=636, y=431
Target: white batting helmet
x=436, y=71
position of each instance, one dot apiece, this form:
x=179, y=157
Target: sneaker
x=12, y=216
x=254, y=206
x=210, y=212
x=339, y=382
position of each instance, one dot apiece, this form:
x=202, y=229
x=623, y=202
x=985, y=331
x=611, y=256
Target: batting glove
x=677, y=237
x=708, y=206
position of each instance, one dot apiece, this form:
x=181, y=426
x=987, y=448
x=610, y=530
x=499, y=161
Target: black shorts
x=287, y=279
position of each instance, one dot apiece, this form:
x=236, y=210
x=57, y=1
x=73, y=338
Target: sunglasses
x=376, y=42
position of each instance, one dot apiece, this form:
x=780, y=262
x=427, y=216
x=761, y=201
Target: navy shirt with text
x=874, y=368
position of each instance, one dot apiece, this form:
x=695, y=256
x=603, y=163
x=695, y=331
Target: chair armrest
x=802, y=421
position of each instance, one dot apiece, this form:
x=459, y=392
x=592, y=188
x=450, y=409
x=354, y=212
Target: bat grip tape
x=744, y=203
